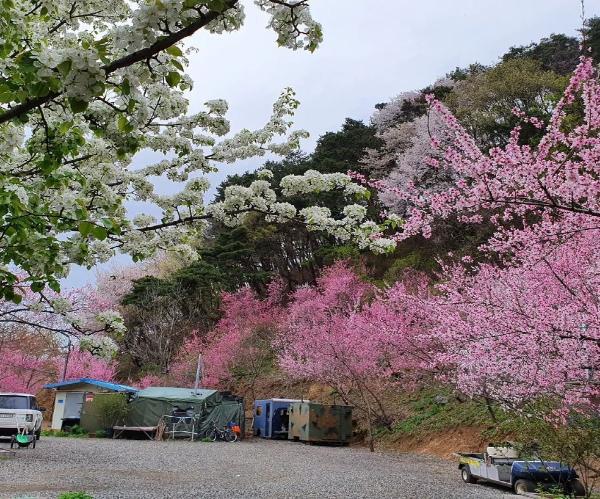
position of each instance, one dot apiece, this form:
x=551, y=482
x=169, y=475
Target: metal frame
x=180, y=425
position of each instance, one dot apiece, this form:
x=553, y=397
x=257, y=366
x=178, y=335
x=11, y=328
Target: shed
x=271, y=417
x=149, y=405
x=311, y=422
x=71, y=395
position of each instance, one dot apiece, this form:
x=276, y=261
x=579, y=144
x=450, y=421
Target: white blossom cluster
x=313, y=181
x=260, y=197
x=99, y=345
x=295, y=27
x=405, y=160
x=112, y=320
x=84, y=78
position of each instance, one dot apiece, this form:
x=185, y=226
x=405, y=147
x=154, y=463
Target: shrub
x=55, y=433
x=111, y=409
x=75, y=495
x=100, y=434
x=77, y=431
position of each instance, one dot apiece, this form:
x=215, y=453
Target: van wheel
x=522, y=487
x=38, y=434
x=465, y=474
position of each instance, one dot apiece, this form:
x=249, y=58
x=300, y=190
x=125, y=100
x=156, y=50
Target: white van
x=18, y=411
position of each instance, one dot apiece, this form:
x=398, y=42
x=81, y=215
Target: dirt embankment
x=442, y=444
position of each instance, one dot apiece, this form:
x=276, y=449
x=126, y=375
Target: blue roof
x=113, y=387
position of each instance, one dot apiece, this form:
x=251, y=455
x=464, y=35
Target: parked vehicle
x=501, y=465
x=20, y=413
x=215, y=433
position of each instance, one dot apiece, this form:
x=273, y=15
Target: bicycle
x=226, y=434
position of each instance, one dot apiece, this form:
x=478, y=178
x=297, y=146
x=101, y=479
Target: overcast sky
x=372, y=51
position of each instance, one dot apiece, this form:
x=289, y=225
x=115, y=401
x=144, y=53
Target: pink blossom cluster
x=524, y=331
x=83, y=364
x=559, y=175
x=337, y=332
x=245, y=331
x=23, y=372
x=345, y=331
x=27, y=369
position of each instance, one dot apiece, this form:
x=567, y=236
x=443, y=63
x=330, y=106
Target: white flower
x=112, y=320
x=264, y=173
x=382, y=245
x=61, y=305
x=355, y=212
x=19, y=191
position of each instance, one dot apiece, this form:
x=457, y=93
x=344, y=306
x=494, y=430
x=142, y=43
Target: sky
x=372, y=51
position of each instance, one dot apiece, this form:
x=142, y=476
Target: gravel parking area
x=253, y=468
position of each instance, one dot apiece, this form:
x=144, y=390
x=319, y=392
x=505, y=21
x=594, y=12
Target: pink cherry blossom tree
x=24, y=370
x=29, y=361
x=543, y=188
x=346, y=334
x=529, y=327
x=83, y=364
x=47, y=336
x=240, y=348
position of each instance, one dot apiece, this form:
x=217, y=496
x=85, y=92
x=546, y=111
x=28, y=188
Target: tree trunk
x=369, y=421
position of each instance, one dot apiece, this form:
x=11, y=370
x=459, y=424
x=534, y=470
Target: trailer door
x=268, y=420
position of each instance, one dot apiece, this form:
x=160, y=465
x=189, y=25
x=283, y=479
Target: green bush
x=57, y=433
x=77, y=431
x=75, y=495
x=111, y=409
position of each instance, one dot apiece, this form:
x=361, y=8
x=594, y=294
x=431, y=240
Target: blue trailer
x=271, y=417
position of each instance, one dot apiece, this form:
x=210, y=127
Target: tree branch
x=123, y=62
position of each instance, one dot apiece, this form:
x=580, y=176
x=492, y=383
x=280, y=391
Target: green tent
x=149, y=405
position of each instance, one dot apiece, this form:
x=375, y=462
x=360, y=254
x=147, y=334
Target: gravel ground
x=253, y=468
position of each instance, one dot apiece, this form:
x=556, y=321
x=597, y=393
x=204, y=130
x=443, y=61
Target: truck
x=503, y=466
x=19, y=412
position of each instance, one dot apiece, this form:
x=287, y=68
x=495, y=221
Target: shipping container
x=312, y=422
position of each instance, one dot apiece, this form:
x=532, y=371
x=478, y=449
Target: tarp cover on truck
x=149, y=405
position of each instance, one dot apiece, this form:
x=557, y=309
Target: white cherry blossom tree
x=84, y=86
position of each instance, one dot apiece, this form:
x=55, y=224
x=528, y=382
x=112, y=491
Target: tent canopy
x=149, y=405
x=171, y=394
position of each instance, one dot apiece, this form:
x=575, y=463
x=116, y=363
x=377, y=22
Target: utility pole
x=198, y=373
x=69, y=348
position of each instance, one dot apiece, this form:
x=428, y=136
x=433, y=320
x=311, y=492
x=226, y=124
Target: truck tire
x=577, y=488
x=522, y=487
x=38, y=434
x=465, y=474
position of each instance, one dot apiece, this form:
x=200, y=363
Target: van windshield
x=13, y=402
